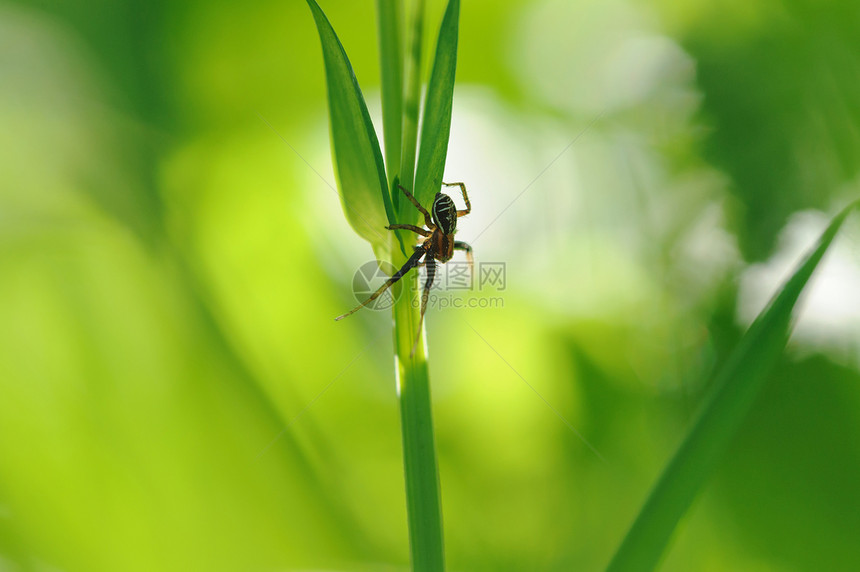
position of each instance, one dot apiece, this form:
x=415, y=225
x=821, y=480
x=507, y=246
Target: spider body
x=445, y=213
x=439, y=246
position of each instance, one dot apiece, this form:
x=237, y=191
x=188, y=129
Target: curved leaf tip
x=361, y=180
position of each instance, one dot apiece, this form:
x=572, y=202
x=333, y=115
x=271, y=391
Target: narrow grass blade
x=735, y=389
x=411, y=110
x=358, y=160
x=436, y=123
x=391, y=65
x=423, y=503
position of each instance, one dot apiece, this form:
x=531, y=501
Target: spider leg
x=428, y=220
x=411, y=263
x=412, y=227
x=460, y=245
x=465, y=198
x=431, y=273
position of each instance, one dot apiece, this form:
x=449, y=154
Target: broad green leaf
x=436, y=123
x=358, y=163
x=735, y=388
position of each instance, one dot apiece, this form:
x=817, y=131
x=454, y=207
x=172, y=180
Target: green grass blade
x=410, y=113
x=423, y=503
x=391, y=65
x=436, y=123
x=736, y=387
x=358, y=160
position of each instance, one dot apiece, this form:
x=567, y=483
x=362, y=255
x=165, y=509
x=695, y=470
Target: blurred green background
x=174, y=391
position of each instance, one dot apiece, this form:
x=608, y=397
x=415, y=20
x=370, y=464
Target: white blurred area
x=595, y=229
x=581, y=194
x=828, y=315
x=592, y=56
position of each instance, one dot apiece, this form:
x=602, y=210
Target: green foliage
x=357, y=158
x=174, y=394
x=347, y=113
x=798, y=73
x=423, y=497
x=436, y=124
x=391, y=65
x=412, y=97
x=736, y=387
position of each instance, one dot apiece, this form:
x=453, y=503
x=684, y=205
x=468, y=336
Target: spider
x=440, y=245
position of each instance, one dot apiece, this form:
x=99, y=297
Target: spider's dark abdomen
x=442, y=246
x=445, y=213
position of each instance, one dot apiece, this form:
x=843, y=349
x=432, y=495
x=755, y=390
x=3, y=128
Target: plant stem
x=411, y=111
x=423, y=504
x=391, y=65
